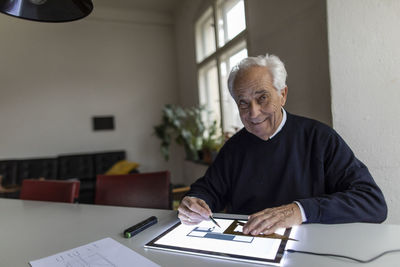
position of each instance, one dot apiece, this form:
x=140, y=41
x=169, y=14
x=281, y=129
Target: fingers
x=268, y=226
x=193, y=210
x=259, y=223
x=199, y=206
x=186, y=220
x=184, y=211
x=206, y=209
x=269, y=220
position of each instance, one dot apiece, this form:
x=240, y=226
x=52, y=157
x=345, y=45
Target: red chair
x=143, y=190
x=50, y=190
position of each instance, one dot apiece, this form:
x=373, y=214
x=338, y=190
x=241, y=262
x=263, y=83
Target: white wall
x=55, y=77
x=365, y=62
x=185, y=18
x=296, y=32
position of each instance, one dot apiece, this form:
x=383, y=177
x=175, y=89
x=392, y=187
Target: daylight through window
x=218, y=49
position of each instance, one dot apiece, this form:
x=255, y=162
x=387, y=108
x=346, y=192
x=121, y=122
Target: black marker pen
x=137, y=228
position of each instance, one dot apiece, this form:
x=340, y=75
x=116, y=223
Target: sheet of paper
x=206, y=236
x=105, y=252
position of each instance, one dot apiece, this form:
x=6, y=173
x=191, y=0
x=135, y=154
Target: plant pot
x=207, y=156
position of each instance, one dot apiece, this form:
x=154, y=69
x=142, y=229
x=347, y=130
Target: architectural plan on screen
x=206, y=237
x=105, y=253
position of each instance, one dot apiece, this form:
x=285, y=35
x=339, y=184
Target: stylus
x=214, y=221
x=137, y=228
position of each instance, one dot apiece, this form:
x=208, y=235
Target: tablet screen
x=226, y=242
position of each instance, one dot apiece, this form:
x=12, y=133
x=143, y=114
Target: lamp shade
x=47, y=10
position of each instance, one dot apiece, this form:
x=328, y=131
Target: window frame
x=201, y=24
x=205, y=81
x=220, y=51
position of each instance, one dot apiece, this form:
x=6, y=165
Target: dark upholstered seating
x=37, y=168
x=8, y=169
x=50, y=190
x=104, y=161
x=83, y=167
x=144, y=190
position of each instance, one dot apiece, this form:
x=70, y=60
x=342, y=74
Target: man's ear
x=283, y=95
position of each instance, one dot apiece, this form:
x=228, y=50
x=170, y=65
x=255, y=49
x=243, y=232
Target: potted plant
x=212, y=143
x=185, y=126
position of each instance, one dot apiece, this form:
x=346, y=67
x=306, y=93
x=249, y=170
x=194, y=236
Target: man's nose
x=254, y=110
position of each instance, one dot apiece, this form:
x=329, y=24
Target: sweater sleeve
x=213, y=187
x=351, y=194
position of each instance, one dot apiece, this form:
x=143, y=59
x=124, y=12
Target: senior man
x=281, y=168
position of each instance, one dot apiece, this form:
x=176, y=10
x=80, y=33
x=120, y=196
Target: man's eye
x=242, y=104
x=263, y=98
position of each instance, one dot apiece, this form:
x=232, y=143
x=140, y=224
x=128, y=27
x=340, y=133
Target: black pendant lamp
x=47, y=10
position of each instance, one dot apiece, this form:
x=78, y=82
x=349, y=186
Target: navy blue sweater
x=306, y=161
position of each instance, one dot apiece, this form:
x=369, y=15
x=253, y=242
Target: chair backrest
x=143, y=190
x=50, y=190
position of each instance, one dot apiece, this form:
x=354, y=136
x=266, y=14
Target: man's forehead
x=255, y=80
x=254, y=74
x=247, y=91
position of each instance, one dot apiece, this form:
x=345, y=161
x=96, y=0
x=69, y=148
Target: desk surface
x=30, y=230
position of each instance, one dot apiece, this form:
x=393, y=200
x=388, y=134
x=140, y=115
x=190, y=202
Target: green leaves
x=185, y=126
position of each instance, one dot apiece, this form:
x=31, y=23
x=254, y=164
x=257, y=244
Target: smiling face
x=258, y=101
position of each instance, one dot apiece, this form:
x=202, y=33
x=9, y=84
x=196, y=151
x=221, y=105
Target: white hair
x=272, y=62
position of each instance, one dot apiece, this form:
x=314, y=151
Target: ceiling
x=156, y=5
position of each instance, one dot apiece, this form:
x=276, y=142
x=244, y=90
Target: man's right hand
x=193, y=210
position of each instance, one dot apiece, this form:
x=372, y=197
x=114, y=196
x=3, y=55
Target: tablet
x=227, y=242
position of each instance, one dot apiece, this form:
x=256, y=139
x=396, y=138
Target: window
x=205, y=36
x=209, y=92
x=218, y=49
x=231, y=20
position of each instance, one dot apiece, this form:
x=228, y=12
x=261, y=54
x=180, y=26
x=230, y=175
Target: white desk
x=31, y=230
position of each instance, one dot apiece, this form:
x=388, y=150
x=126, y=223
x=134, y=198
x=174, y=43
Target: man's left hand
x=269, y=220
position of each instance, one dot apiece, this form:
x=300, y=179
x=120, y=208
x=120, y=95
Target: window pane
x=220, y=106
x=236, y=20
x=231, y=119
x=209, y=37
x=205, y=35
x=209, y=93
x=236, y=58
x=231, y=20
